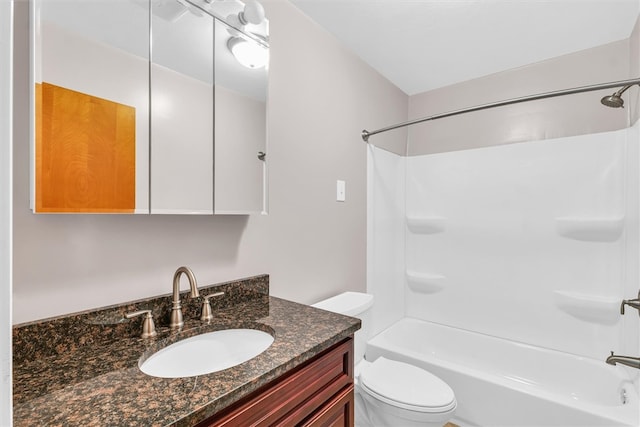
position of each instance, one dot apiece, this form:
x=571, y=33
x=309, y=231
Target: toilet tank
x=355, y=304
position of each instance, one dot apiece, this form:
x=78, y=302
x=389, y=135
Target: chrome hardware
x=148, y=327
x=367, y=134
x=176, y=308
x=207, y=315
x=635, y=303
x=633, y=362
x=262, y=155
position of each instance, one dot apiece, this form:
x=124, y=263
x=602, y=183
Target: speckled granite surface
x=82, y=370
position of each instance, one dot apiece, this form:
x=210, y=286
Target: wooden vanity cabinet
x=317, y=393
x=336, y=413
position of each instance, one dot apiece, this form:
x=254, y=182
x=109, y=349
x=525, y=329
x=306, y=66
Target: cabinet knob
x=262, y=155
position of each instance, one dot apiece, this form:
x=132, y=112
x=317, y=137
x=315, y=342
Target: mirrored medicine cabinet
x=149, y=106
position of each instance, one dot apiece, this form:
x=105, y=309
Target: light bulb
x=248, y=53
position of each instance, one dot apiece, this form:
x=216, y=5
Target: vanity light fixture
x=248, y=53
x=252, y=13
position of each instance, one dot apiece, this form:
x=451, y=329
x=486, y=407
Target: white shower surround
x=534, y=243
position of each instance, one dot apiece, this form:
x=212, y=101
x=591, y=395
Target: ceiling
x=420, y=45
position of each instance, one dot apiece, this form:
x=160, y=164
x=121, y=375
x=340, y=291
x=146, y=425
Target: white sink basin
x=207, y=353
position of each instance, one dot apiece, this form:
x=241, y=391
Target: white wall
x=6, y=28
x=528, y=241
x=529, y=121
x=634, y=70
x=629, y=333
x=181, y=151
x=320, y=98
x=385, y=237
x=240, y=134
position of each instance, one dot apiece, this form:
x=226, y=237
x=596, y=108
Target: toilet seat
x=406, y=386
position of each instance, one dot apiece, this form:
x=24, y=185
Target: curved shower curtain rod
x=626, y=83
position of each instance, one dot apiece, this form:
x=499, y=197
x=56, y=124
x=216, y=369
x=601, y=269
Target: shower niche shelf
x=426, y=224
x=591, y=229
x=425, y=283
x=604, y=310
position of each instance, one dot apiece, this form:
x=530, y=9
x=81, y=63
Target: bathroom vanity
x=83, y=369
x=319, y=393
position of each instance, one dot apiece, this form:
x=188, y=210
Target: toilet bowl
x=389, y=392
x=400, y=394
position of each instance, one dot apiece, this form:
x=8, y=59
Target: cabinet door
x=296, y=396
x=182, y=118
x=339, y=412
x=241, y=122
x=90, y=68
x=124, y=112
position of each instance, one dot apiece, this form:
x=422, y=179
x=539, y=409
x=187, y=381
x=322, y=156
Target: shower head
x=615, y=100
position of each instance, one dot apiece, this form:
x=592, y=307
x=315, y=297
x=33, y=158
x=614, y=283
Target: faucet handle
x=207, y=315
x=148, y=327
x=635, y=303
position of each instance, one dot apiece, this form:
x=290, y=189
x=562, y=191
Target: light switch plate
x=340, y=191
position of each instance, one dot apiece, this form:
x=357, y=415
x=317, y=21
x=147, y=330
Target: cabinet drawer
x=339, y=412
x=295, y=395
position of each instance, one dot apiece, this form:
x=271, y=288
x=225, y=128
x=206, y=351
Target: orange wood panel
x=85, y=152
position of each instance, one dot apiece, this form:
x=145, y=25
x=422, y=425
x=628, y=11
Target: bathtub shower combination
x=502, y=270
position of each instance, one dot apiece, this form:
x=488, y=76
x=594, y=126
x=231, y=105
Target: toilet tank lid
x=347, y=303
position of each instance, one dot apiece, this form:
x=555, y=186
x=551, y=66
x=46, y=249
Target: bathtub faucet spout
x=634, y=362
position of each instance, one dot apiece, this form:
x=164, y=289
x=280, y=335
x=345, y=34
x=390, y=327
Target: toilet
x=389, y=392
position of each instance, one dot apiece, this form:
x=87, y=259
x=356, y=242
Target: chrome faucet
x=176, y=308
x=634, y=362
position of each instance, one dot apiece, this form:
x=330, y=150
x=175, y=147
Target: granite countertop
x=92, y=378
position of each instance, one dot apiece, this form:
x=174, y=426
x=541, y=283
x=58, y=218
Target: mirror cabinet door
x=90, y=82
x=125, y=102
x=181, y=110
x=240, y=117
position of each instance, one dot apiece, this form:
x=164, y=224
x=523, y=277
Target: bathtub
x=503, y=383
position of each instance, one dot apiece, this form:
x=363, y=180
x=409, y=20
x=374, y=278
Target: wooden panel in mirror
x=90, y=115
